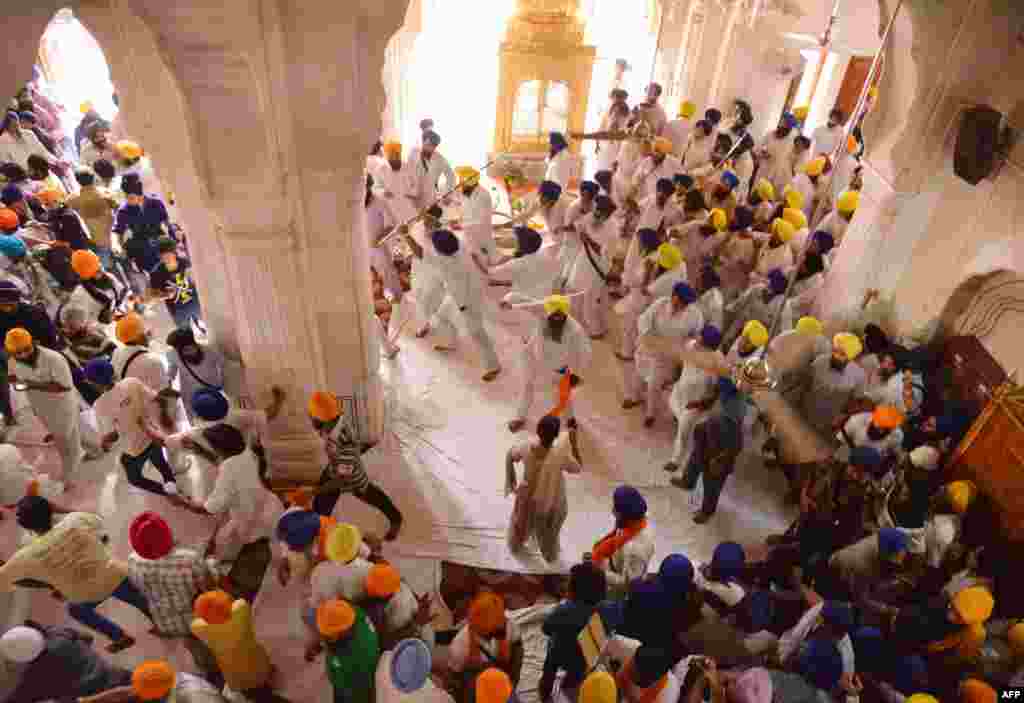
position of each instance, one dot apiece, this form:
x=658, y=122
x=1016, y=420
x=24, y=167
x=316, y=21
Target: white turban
x=925, y=457
x=22, y=645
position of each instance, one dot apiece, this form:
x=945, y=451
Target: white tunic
x=653, y=217
x=698, y=151
x=694, y=384
x=778, y=164
x=678, y=131
x=399, y=191
x=712, y=306
x=149, y=367
x=58, y=411
x=661, y=320
x=533, y=277
x=239, y=492
x=574, y=351
x=647, y=174
x=428, y=175
x=462, y=280
x=560, y=169
x=630, y=562
x=582, y=275
x=856, y=429
x=830, y=391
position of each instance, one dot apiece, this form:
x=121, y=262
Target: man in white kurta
x=776, y=154
x=240, y=495
x=531, y=274
x=17, y=478
x=477, y=214
x=678, y=130
x=692, y=396
x=676, y=317
x=863, y=430
x=660, y=164
x=834, y=380
x=396, y=184
x=51, y=393
x=429, y=166
x=827, y=137
x=379, y=221
x=700, y=146
x=561, y=164
x=558, y=346
x=659, y=211
x=631, y=560
x=595, y=237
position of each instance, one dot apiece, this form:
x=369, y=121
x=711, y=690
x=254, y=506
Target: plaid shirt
x=171, y=584
x=344, y=460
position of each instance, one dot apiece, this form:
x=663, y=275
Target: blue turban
x=643, y=613
x=209, y=404
x=908, y=674
x=742, y=218
x=11, y=194
x=868, y=647
x=26, y=116
x=726, y=387
x=730, y=180
x=628, y=503
x=549, y=190
x=445, y=242
x=777, y=281
x=727, y=561
x=865, y=457
x=790, y=120
x=665, y=185
x=683, y=179
x=684, y=292
x=9, y=292
x=676, y=574
x=711, y=336
x=12, y=246
x=825, y=241
x=590, y=187
x=953, y=423
x=838, y=614
x=557, y=139
x=892, y=541
x=649, y=239
x=100, y=371
x=431, y=137
x=528, y=241
x=298, y=528
x=410, y=665
x=758, y=611
x=821, y=664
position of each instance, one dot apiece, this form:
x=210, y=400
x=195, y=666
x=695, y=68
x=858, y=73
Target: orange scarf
x=616, y=540
x=477, y=658
x=624, y=680
x=326, y=525
x=564, y=392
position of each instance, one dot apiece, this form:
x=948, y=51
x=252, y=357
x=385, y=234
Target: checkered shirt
x=171, y=584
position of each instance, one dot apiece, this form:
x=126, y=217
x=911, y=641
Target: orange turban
x=214, y=607
x=493, y=686
x=977, y=691
x=17, y=340
x=8, y=219
x=383, y=581
x=152, y=680
x=50, y=197
x=130, y=328
x=324, y=406
x=487, y=613
x=334, y=618
x=85, y=263
x=886, y=417
x=974, y=605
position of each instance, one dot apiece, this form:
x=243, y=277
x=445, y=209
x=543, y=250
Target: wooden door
x=853, y=82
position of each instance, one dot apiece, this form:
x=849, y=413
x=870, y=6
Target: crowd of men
x=700, y=240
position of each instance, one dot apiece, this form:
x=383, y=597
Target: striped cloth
x=344, y=461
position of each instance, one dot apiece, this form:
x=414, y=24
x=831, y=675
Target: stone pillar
x=731, y=16
x=693, y=53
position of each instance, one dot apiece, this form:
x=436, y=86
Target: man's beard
x=555, y=329
x=468, y=190
x=886, y=374
x=876, y=434
x=838, y=365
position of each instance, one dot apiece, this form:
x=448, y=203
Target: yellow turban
x=555, y=304
x=977, y=691
x=783, y=230
x=493, y=686
x=599, y=687
x=324, y=406
x=794, y=198
x=669, y=256
x=797, y=218
x=960, y=495
x=801, y=112
x=85, y=263
x=128, y=150
x=50, y=197
x=1015, y=636
x=922, y=698
x=335, y=618
x=17, y=340
x=816, y=167
x=873, y=92
x=687, y=109
x=343, y=543
x=756, y=333
x=392, y=149
x=86, y=106
x=467, y=174
x=662, y=146
x=974, y=605
x=849, y=344
x=152, y=680
x=718, y=219
x=765, y=189
x=214, y=607
x=487, y=613
x=383, y=581
x=848, y=202
x=130, y=328
x=809, y=325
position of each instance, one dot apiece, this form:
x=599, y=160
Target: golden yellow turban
x=383, y=581
x=795, y=217
x=152, y=680
x=718, y=219
x=801, y=112
x=599, y=687
x=849, y=344
x=86, y=106
x=669, y=256
x=556, y=304
x=324, y=406
x=809, y=325
x=128, y=150
x=343, y=543
x=756, y=333
x=977, y=691
x=130, y=328
x=662, y=146
x=922, y=698
x=493, y=686
x=392, y=150
x=794, y=198
x=765, y=189
x=848, y=202
x=487, y=613
x=783, y=230
x=85, y=263
x=816, y=167
x=334, y=618
x=467, y=174
x=17, y=340
x=974, y=605
x=960, y=495
x=687, y=109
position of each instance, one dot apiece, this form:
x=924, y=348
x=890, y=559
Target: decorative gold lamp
x=545, y=72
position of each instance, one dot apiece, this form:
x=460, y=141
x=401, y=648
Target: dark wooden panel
x=853, y=84
x=973, y=374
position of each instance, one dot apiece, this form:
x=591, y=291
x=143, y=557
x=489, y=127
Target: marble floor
x=442, y=461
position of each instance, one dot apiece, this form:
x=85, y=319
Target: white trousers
x=473, y=318
x=532, y=380
x=658, y=373
x=595, y=310
x=429, y=296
